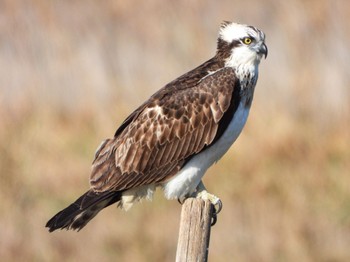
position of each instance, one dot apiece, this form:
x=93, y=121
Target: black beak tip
x=265, y=50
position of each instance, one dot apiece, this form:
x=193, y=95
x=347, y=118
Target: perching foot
x=205, y=195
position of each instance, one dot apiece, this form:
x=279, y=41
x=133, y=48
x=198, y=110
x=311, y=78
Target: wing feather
x=155, y=142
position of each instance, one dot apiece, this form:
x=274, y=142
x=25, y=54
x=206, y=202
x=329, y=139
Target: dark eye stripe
x=235, y=43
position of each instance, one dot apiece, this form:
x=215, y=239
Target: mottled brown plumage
x=174, y=124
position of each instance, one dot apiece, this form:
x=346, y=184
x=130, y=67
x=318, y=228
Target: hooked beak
x=263, y=50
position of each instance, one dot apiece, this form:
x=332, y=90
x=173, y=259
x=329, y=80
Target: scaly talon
x=214, y=200
x=202, y=193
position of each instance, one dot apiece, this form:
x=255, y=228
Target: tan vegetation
x=71, y=71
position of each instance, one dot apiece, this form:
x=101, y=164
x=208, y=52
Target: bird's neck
x=248, y=76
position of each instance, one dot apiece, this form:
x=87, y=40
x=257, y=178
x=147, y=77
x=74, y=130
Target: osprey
x=177, y=134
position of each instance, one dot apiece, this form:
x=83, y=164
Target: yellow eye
x=247, y=40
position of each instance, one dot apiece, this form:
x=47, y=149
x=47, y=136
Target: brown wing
x=158, y=137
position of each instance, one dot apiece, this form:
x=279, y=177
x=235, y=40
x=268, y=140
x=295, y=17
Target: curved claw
x=215, y=219
x=181, y=200
x=217, y=207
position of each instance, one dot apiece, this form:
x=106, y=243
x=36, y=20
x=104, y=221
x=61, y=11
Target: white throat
x=246, y=66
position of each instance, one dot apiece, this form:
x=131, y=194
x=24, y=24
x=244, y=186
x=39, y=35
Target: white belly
x=186, y=181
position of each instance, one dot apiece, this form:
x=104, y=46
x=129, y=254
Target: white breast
x=186, y=181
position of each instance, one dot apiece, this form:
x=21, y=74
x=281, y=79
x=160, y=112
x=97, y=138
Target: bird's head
x=240, y=44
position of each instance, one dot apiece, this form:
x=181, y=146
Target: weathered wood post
x=194, y=233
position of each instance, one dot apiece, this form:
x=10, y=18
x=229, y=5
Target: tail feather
x=86, y=207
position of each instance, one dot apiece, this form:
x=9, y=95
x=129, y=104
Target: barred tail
x=86, y=207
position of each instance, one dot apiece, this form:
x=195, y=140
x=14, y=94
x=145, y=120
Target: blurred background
x=72, y=71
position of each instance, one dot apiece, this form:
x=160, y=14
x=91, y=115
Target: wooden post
x=194, y=233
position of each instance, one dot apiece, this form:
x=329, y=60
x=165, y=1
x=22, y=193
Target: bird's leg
x=202, y=193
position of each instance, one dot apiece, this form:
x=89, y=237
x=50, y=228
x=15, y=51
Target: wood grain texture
x=194, y=232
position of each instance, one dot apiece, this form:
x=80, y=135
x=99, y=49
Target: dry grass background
x=71, y=71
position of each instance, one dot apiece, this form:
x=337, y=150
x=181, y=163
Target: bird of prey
x=177, y=134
